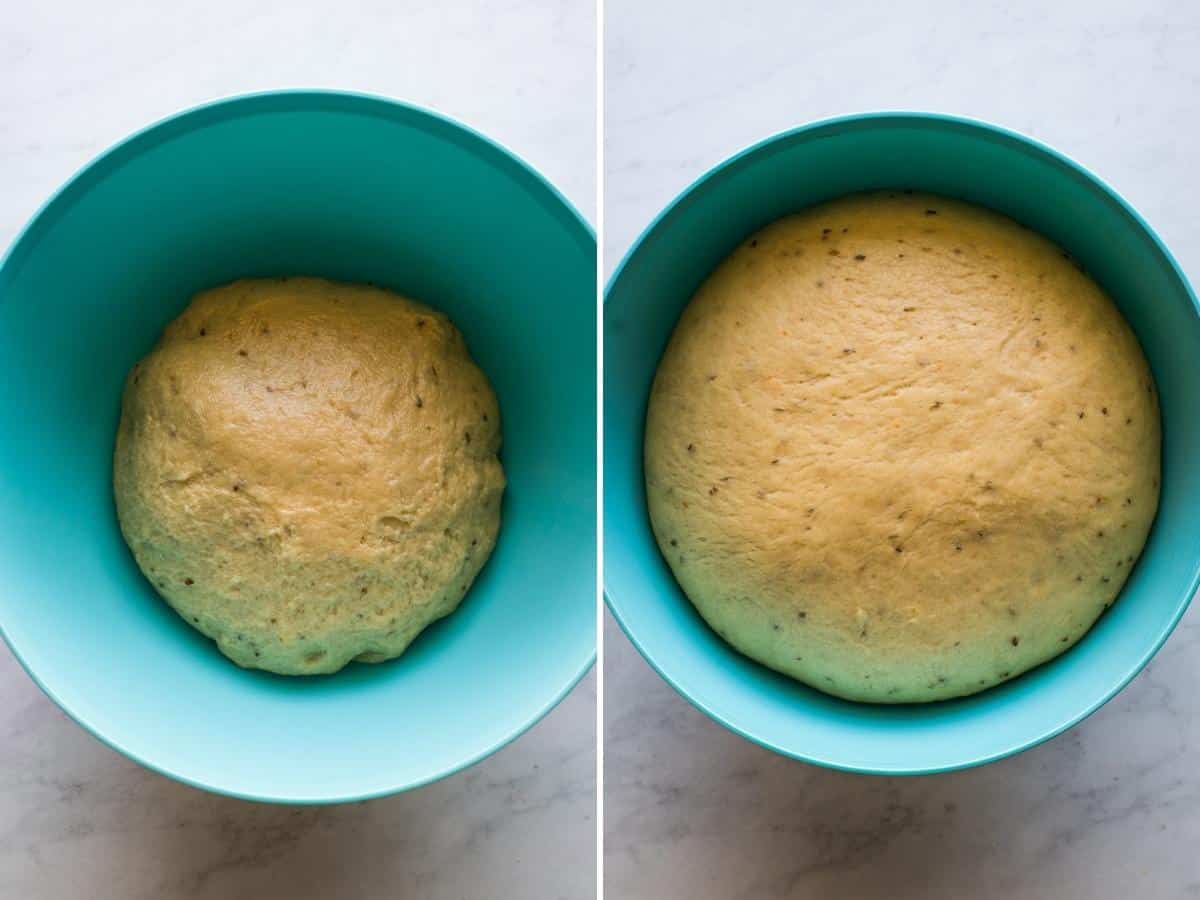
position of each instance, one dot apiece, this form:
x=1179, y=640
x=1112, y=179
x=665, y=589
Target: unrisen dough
x=307, y=471
x=901, y=449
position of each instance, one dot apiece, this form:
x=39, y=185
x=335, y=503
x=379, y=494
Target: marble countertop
x=1111, y=809
x=77, y=820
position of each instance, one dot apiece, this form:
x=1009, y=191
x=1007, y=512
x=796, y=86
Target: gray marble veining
x=77, y=820
x=1111, y=809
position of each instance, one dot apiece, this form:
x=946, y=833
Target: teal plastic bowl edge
x=1074, y=170
x=166, y=128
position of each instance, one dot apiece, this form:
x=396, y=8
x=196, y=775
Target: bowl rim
x=1016, y=141
x=227, y=108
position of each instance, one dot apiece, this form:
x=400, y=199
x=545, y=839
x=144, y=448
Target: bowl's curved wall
x=974, y=162
x=347, y=187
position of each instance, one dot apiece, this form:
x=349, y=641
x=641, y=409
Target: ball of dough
x=901, y=448
x=307, y=471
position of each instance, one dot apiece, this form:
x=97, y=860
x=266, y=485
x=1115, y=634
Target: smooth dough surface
x=901, y=448
x=307, y=471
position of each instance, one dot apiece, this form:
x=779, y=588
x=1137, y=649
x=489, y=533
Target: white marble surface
x=76, y=819
x=1111, y=809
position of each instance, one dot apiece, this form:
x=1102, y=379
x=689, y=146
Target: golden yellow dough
x=901, y=449
x=307, y=471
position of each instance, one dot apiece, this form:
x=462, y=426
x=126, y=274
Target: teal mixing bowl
x=984, y=165
x=347, y=187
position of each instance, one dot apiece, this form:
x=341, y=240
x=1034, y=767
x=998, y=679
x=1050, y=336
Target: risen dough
x=307, y=471
x=901, y=449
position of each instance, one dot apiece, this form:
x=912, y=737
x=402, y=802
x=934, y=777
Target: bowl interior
x=346, y=187
x=960, y=159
